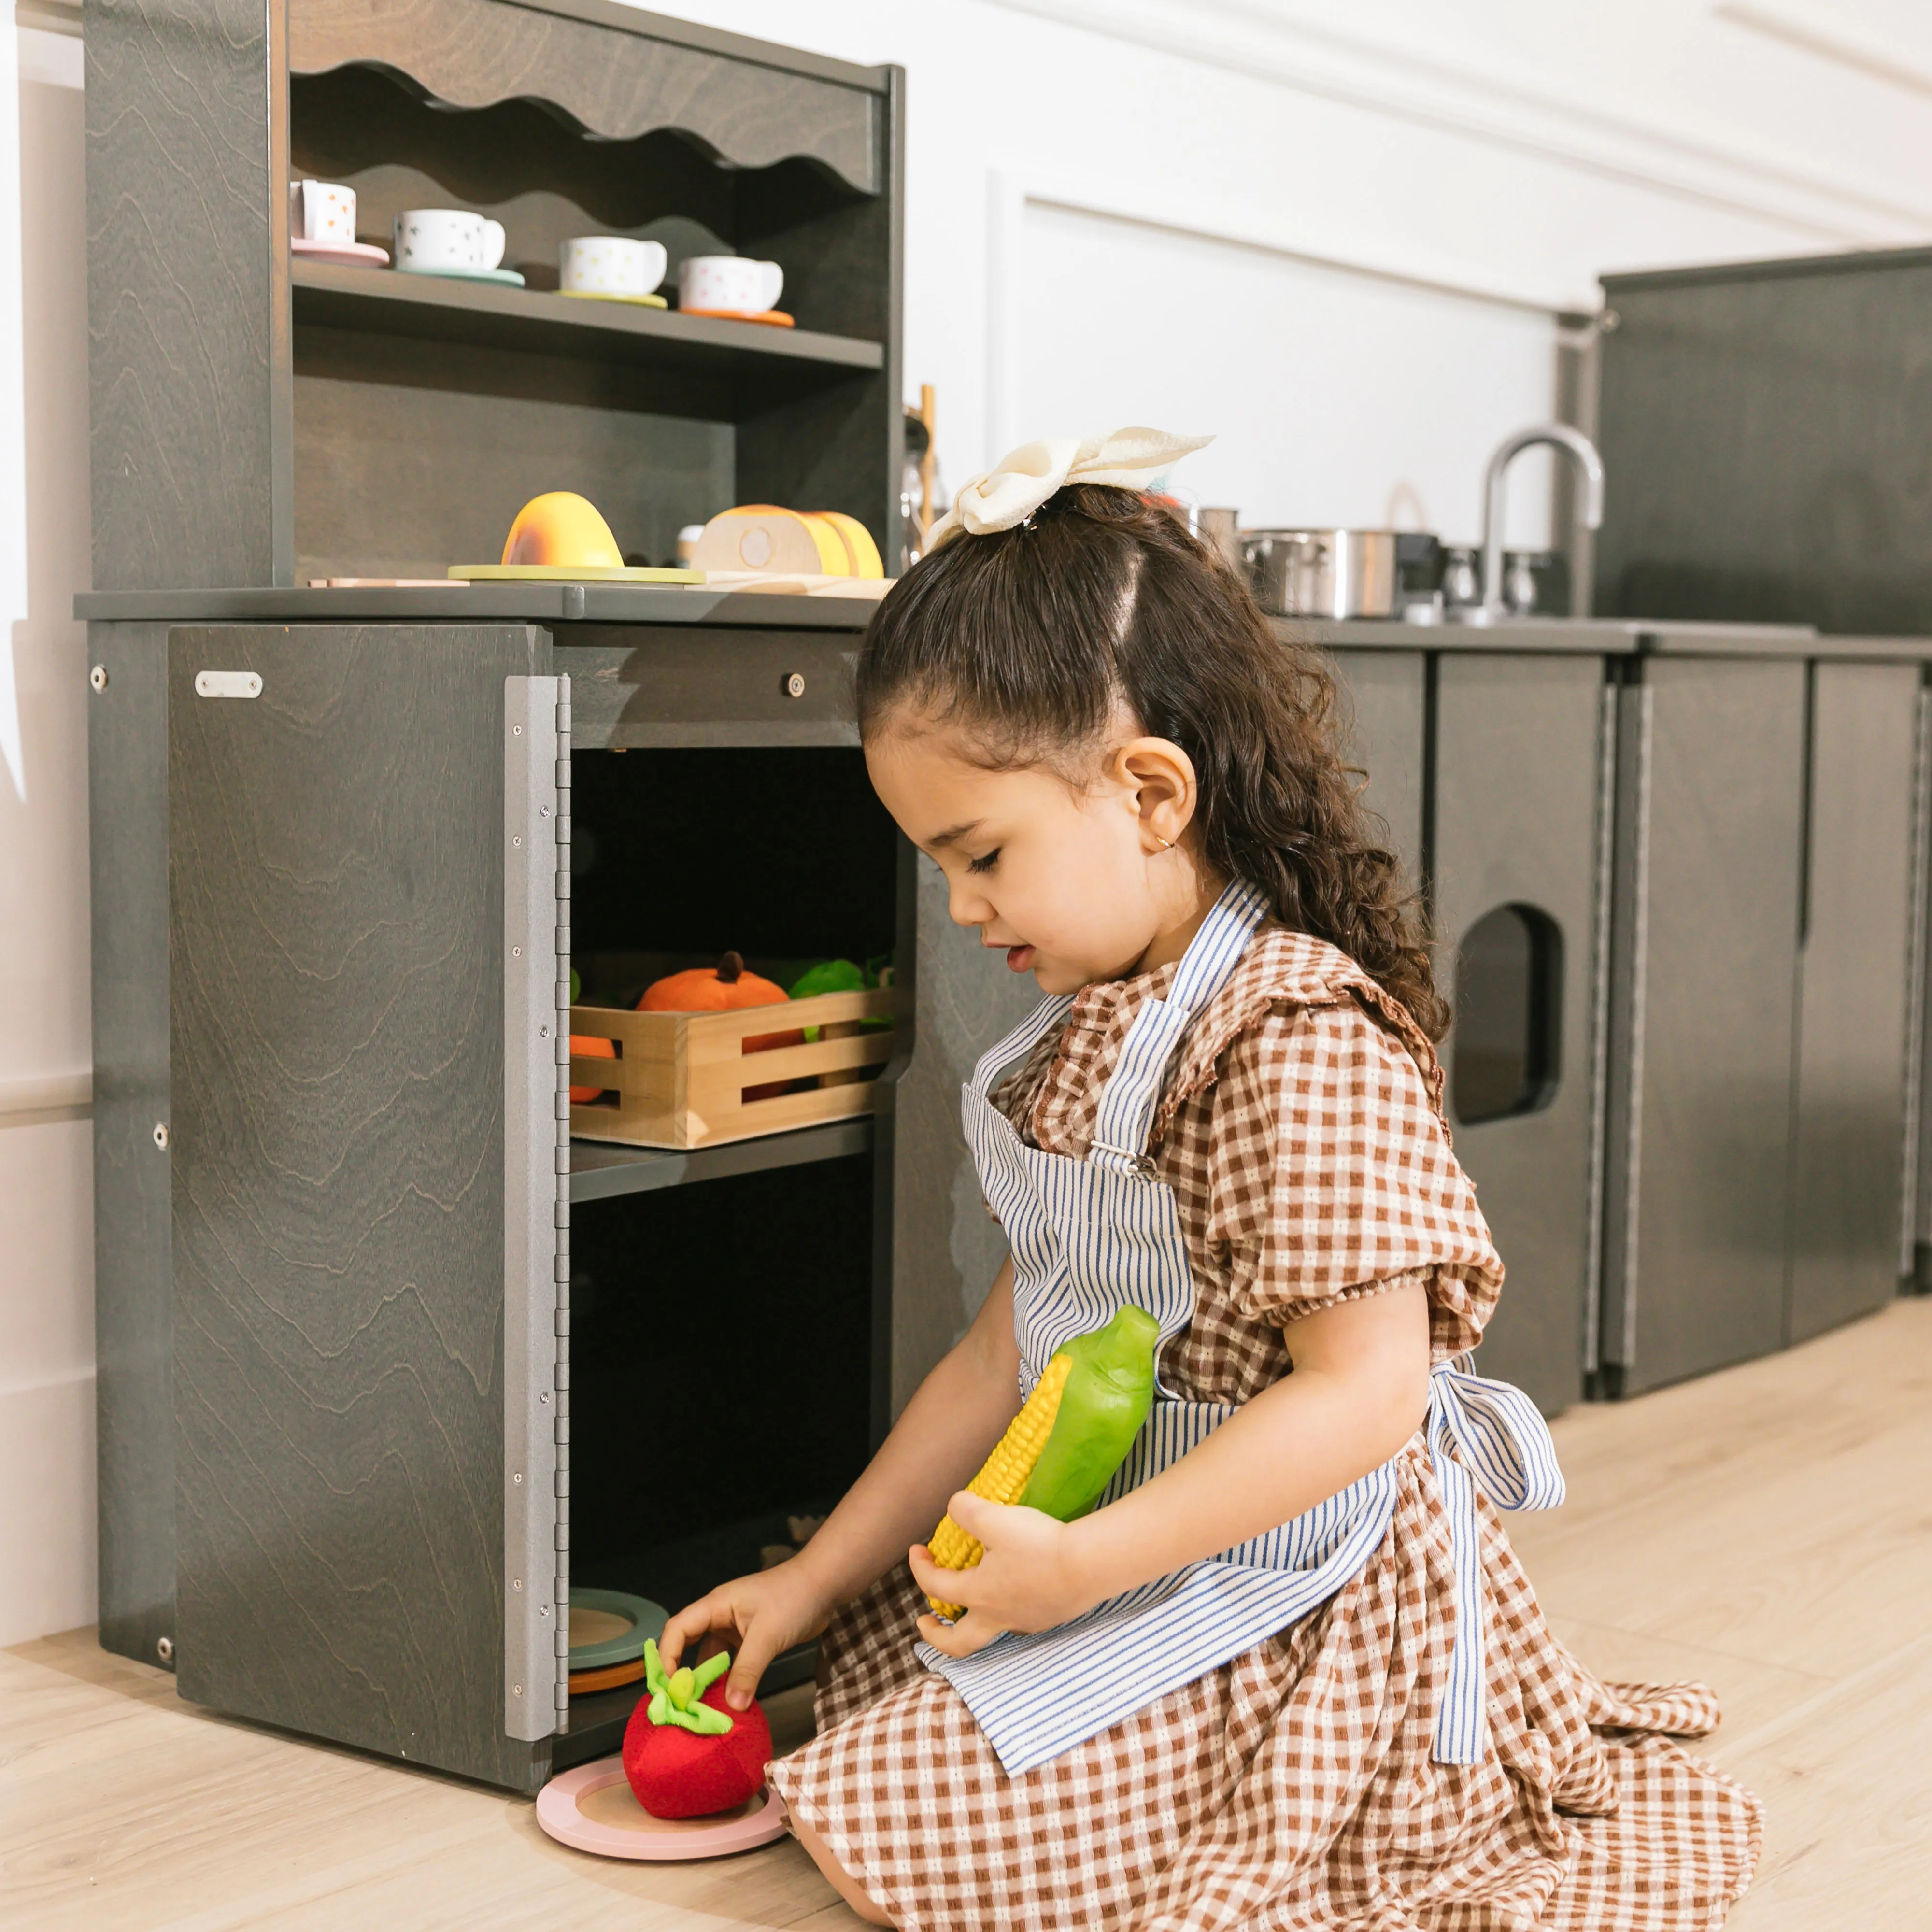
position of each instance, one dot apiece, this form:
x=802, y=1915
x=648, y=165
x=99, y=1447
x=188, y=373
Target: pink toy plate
x=592, y=1808
x=352, y=254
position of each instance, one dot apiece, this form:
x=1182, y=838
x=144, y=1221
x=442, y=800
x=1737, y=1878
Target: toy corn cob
x=1062, y=1449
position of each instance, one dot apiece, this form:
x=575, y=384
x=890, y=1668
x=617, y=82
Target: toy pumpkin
x=723, y=988
x=686, y=1754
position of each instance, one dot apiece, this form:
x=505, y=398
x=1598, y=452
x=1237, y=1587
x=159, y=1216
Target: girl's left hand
x=1027, y=1580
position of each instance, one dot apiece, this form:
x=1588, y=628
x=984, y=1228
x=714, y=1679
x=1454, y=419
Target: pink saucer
x=592, y=1808
x=354, y=254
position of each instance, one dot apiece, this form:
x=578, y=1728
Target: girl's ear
x=1158, y=778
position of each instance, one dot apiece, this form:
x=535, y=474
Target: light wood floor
x=1768, y=1530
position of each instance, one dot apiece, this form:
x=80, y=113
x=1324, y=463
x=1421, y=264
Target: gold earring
x=1166, y=845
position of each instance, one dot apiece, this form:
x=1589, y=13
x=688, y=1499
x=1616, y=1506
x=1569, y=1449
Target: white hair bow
x=1022, y=480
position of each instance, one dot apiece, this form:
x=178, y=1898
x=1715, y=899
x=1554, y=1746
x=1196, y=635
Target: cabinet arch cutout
x=1506, y=1057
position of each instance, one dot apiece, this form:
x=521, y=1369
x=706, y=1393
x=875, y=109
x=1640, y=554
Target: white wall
x=46, y=1233
x=1337, y=237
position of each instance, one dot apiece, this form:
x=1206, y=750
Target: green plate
x=572, y=573
x=605, y=1646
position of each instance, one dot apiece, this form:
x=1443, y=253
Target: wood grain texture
x=124, y=1809
x=633, y=685
x=1848, y=1150
x=473, y=53
x=395, y=478
x=1516, y=782
x=336, y=921
x=180, y=300
x=1721, y=933
x=127, y=818
x=827, y=449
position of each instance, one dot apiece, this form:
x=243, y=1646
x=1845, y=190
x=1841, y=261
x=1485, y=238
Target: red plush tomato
x=686, y=1753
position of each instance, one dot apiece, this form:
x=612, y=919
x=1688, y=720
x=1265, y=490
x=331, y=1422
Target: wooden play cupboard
x=387, y=1359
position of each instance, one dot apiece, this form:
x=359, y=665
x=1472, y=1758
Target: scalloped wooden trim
x=615, y=84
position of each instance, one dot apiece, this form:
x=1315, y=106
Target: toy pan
x=609, y=1627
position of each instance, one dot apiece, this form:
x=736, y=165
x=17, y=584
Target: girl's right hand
x=755, y=1617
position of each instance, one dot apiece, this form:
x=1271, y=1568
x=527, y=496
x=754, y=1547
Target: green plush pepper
x=829, y=976
x=1106, y=1399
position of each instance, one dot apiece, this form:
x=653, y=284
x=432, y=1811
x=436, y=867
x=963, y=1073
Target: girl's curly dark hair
x=1031, y=637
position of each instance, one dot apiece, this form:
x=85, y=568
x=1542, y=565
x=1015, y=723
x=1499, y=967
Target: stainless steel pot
x=1322, y=573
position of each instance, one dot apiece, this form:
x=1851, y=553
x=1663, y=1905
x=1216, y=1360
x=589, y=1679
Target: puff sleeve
x=1330, y=1175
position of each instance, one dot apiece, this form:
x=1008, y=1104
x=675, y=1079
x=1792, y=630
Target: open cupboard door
x=368, y=926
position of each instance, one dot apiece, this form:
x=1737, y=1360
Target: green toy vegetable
x=842, y=975
x=674, y=1698
x=1062, y=1449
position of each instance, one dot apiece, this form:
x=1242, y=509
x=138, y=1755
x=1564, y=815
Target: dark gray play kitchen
x=389, y=1360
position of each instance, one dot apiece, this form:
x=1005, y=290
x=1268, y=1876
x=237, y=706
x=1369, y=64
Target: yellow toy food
x=763, y=538
x=1062, y=1449
x=561, y=527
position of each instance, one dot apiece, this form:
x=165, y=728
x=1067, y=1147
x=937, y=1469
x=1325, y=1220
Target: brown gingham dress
x=1292, y=1788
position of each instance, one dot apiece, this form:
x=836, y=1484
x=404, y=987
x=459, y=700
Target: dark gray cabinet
x=258, y=419
x=384, y=1376
x=1764, y=426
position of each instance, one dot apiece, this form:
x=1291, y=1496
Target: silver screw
x=518, y=840
x=544, y=1396
x=517, y=1477
x=516, y=1690
x=516, y=1582
x=543, y=811
x=543, y=1033
x=1609, y=322
x=164, y=1649
x=516, y=731
x=97, y=677
x=794, y=685
x=161, y=1135
x=543, y=1610
x=516, y=952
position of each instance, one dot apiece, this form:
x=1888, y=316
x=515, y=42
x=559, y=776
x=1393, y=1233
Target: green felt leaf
x=674, y=1698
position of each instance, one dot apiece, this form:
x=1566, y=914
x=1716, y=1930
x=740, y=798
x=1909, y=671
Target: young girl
x=1290, y=1675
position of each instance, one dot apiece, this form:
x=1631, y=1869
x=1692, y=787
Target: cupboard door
x=338, y=1014
x=1711, y=813
x=1848, y=1133
x=1519, y=774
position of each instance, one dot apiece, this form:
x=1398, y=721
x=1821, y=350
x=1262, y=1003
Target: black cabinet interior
x=782, y=855
x=721, y=1365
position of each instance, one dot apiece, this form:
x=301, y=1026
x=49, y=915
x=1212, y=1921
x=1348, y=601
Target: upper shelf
x=615, y=71
x=452, y=311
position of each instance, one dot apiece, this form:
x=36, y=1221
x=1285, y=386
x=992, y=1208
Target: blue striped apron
x=1087, y=1236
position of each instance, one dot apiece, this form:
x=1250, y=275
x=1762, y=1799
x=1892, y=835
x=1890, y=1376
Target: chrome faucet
x=1559, y=436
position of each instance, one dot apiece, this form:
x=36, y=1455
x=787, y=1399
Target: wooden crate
x=680, y=1079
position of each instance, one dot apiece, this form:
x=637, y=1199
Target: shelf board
x=493, y=316
x=600, y=1169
